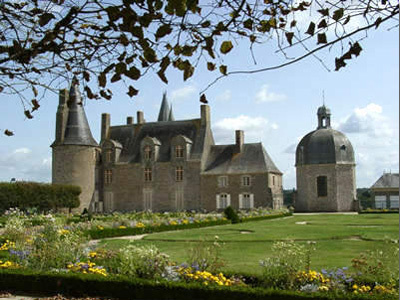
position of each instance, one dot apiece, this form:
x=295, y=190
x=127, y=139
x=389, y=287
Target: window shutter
x=251, y=201
x=240, y=201
x=218, y=202
x=228, y=200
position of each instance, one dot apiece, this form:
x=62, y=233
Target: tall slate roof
x=130, y=137
x=253, y=159
x=387, y=180
x=77, y=131
x=165, y=113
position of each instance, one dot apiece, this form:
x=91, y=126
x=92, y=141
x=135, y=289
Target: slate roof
x=77, y=131
x=254, y=159
x=324, y=146
x=387, y=180
x=130, y=137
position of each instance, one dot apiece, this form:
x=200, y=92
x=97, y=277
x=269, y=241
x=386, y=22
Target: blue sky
x=277, y=108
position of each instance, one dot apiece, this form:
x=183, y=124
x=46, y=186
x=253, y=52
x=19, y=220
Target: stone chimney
x=129, y=120
x=239, y=141
x=105, y=126
x=62, y=115
x=205, y=115
x=140, y=117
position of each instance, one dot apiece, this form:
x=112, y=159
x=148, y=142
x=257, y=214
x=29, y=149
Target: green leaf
x=226, y=46
x=378, y=22
x=322, y=24
x=210, y=66
x=337, y=14
x=8, y=132
x=311, y=28
x=150, y=55
x=324, y=12
x=124, y=40
x=120, y=68
x=223, y=69
x=105, y=95
x=28, y=114
x=86, y=75
x=35, y=104
x=132, y=91
x=339, y=63
x=113, y=13
x=162, y=76
x=206, y=24
x=321, y=38
x=188, y=70
x=102, y=79
x=293, y=23
x=355, y=49
x=133, y=73
x=248, y=24
x=203, y=98
x=45, y=18
x=289, y=37
x=163, y=30
x=116, y=77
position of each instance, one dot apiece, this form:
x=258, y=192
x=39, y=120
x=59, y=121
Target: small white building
x=385, y=191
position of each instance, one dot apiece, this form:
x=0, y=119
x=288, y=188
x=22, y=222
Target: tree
x=44, y=43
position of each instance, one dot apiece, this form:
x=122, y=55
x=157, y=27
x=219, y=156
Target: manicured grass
x=339, y=238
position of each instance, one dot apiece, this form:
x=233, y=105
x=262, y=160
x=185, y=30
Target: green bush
x=42, y=196
x=231, y=214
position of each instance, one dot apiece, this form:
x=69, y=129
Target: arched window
x=322, y=186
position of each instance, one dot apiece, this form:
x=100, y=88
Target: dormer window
x=147, y=152
x=108, y=156
x=179, y=151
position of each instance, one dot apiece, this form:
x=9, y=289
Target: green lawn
x=339, y=238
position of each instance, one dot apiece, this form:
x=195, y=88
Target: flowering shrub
x=205, y=255
x=144, y=262
x=87, y=268
x=206, y=278
x=8, y=265
x=288, y=258
x=7, y=245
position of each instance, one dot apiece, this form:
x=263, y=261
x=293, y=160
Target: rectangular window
x=147, y=152
x=246, y=201
x=380, y=202
x=107, y=177
x=179, y=151
x=148, y=176
x=394, y=201
x=273, y=180
x=223, y=181
x=322, y=186
x=223, y=201
x=179, y=200
x=147, y=199
x=179, y=173
x=246, y=180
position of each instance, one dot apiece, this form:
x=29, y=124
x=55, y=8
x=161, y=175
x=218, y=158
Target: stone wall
x=259, y=187
x=75, y=165
x=128, y=186
x=340, y=186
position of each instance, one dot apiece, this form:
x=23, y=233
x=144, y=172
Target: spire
x=77, y=131
x=324, y=117
x=164, y=110
x=171, y=115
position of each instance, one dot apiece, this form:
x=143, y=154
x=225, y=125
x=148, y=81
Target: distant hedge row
x=42, y=196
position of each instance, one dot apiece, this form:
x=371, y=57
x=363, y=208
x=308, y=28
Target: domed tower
x=325, y=169
x=74, y=149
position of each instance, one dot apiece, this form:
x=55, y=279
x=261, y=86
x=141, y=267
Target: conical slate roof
x=164, y=110
x=77, y=131
x=171, y=115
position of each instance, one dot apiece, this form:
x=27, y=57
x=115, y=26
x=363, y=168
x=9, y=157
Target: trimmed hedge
x=42, y=196
x=82, y=285
x=266, y=217
x=114, y=232
x=379, y=211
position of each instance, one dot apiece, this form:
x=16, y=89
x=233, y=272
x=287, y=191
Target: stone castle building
x=168, y=165
x=325, y=169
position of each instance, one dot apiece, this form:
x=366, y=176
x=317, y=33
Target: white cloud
x=253, y=127
x=183, y=93
x=225, y=96
x=265, y=95
x=24, y=164
x=368, y=120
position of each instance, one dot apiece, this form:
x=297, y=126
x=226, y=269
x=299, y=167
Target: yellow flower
x=355, y=286
x=122, y=227
x=140, y=225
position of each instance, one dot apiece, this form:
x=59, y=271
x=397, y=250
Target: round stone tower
x=325, y=169
x=74, y=149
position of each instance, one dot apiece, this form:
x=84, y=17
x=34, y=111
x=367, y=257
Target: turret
x=74, y=149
